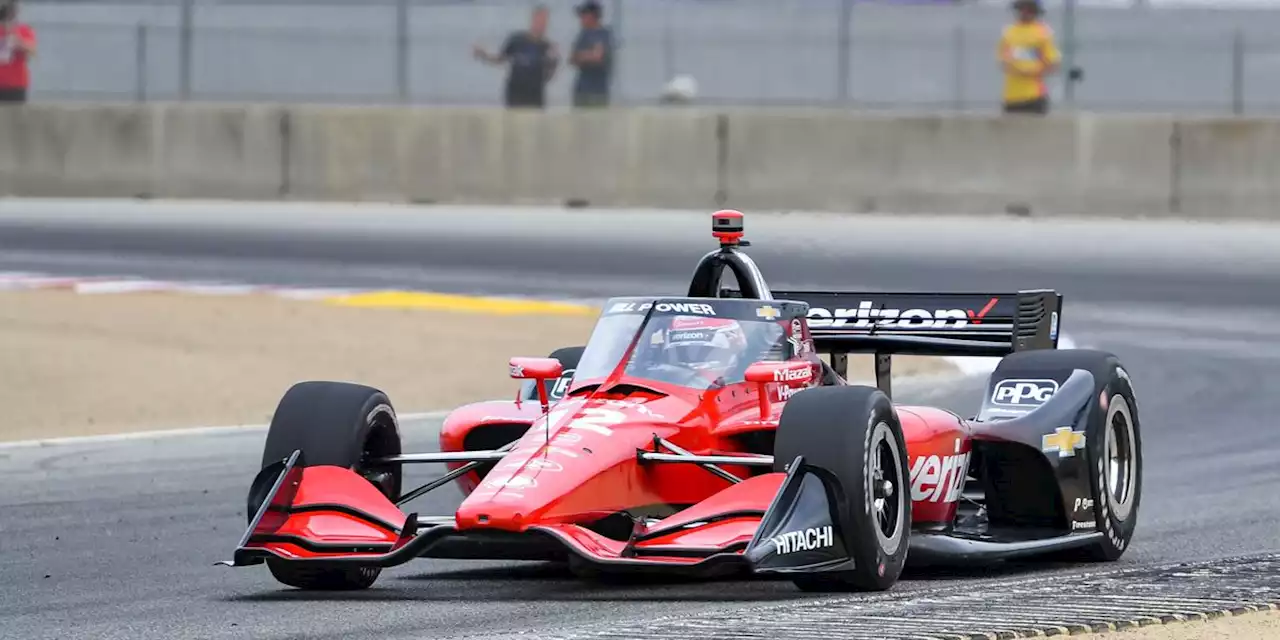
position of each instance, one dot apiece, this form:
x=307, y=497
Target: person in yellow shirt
x=1027, y=55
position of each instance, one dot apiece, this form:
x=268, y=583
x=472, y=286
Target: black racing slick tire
x=1113, y=440
x=340, y=424
x=568, y=357
x=853, y=434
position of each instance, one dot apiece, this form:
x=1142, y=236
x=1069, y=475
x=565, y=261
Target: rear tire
x=853, y=434
x=1113, y=440
x=339, y=424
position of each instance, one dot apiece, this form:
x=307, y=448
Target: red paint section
x=753, y=494
x=938, y=447
x=336, y=485
x=714, y=535
x=334, y=527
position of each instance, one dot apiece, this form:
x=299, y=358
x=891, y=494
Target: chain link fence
x=924, y=55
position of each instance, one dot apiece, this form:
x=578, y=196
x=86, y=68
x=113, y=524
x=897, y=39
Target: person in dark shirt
x=593, y=55
x=532, y=59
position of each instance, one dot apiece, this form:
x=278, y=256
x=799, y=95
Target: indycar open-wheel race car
x=705, y=435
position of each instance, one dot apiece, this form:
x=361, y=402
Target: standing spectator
x=1027, y=55
x=17, y=46
x=533, y=59
x=593, y=55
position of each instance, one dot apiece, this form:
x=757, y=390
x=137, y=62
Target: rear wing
x=930, y=324
x=936, y=324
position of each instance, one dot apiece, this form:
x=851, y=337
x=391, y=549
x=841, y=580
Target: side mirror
x=539, y=369
x=535, y=368
x=790, y=374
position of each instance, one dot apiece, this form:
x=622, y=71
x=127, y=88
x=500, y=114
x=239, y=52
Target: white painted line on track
x=173, y=433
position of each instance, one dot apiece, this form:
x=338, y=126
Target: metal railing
x=846, y=55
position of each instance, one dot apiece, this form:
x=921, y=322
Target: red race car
x=706, y=435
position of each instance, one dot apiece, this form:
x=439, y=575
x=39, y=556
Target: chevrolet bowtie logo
x=1064, y=441
x=768, y=313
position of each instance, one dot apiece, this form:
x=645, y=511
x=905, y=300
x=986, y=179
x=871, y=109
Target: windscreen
x=698, y=344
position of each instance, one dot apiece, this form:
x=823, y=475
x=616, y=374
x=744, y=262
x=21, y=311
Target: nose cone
x=585, y=468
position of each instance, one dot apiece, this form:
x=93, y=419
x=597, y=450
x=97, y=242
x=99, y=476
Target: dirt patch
x=91, y=364
x=1254, y=626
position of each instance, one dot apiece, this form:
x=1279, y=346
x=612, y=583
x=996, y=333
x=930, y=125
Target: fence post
x=402, y=50
x=1237, y=73
x=1069, y=50
x=140, y=62
x=958, y=55
x=668, y=47
x=843, y=37
x=184, y=48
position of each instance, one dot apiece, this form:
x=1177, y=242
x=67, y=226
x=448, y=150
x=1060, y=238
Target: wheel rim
x=886, y=487
x=384, y=477
x=1119, y=460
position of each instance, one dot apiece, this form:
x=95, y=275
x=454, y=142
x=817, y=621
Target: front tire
x=853, y=434
x=339, y=424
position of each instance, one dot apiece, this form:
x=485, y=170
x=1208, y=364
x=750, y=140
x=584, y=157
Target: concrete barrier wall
x=752, y=159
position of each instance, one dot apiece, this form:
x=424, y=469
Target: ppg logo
x=1021, y=393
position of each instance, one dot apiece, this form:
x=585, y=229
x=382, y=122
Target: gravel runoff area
x=1250, y=626
x=89, y=364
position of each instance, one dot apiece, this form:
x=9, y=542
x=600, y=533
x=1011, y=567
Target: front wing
x=331, y=516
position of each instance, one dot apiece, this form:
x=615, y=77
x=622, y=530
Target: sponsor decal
x=691, y=308
x=517, y=371
x=567, y=438
x=543, y=464
x=1083, y=504
x=785, y=392
x=768, y=313
x=689, y=336
x=1053, y=325
x=514, y=482
x=594, y=419
x=1063, y=441
x=867, y=315
x=792, y=375
x=562, y=384
x=536, y=464
x=759, y=423
x=809, y=539
x=939, y=478
x=1076, y=526
x=1023, y=393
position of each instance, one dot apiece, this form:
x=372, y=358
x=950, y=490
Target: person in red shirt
x=17, y=46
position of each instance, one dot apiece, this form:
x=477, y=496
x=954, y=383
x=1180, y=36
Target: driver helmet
x=703, y=343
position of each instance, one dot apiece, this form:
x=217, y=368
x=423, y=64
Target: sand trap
x=74, y=364
x=1253, y=626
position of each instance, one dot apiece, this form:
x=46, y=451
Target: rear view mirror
x=535, y=368
x=538, y=369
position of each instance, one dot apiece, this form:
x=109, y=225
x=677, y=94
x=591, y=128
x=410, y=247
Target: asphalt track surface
x=117, y=539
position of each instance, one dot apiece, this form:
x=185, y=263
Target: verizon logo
x=867, y=315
